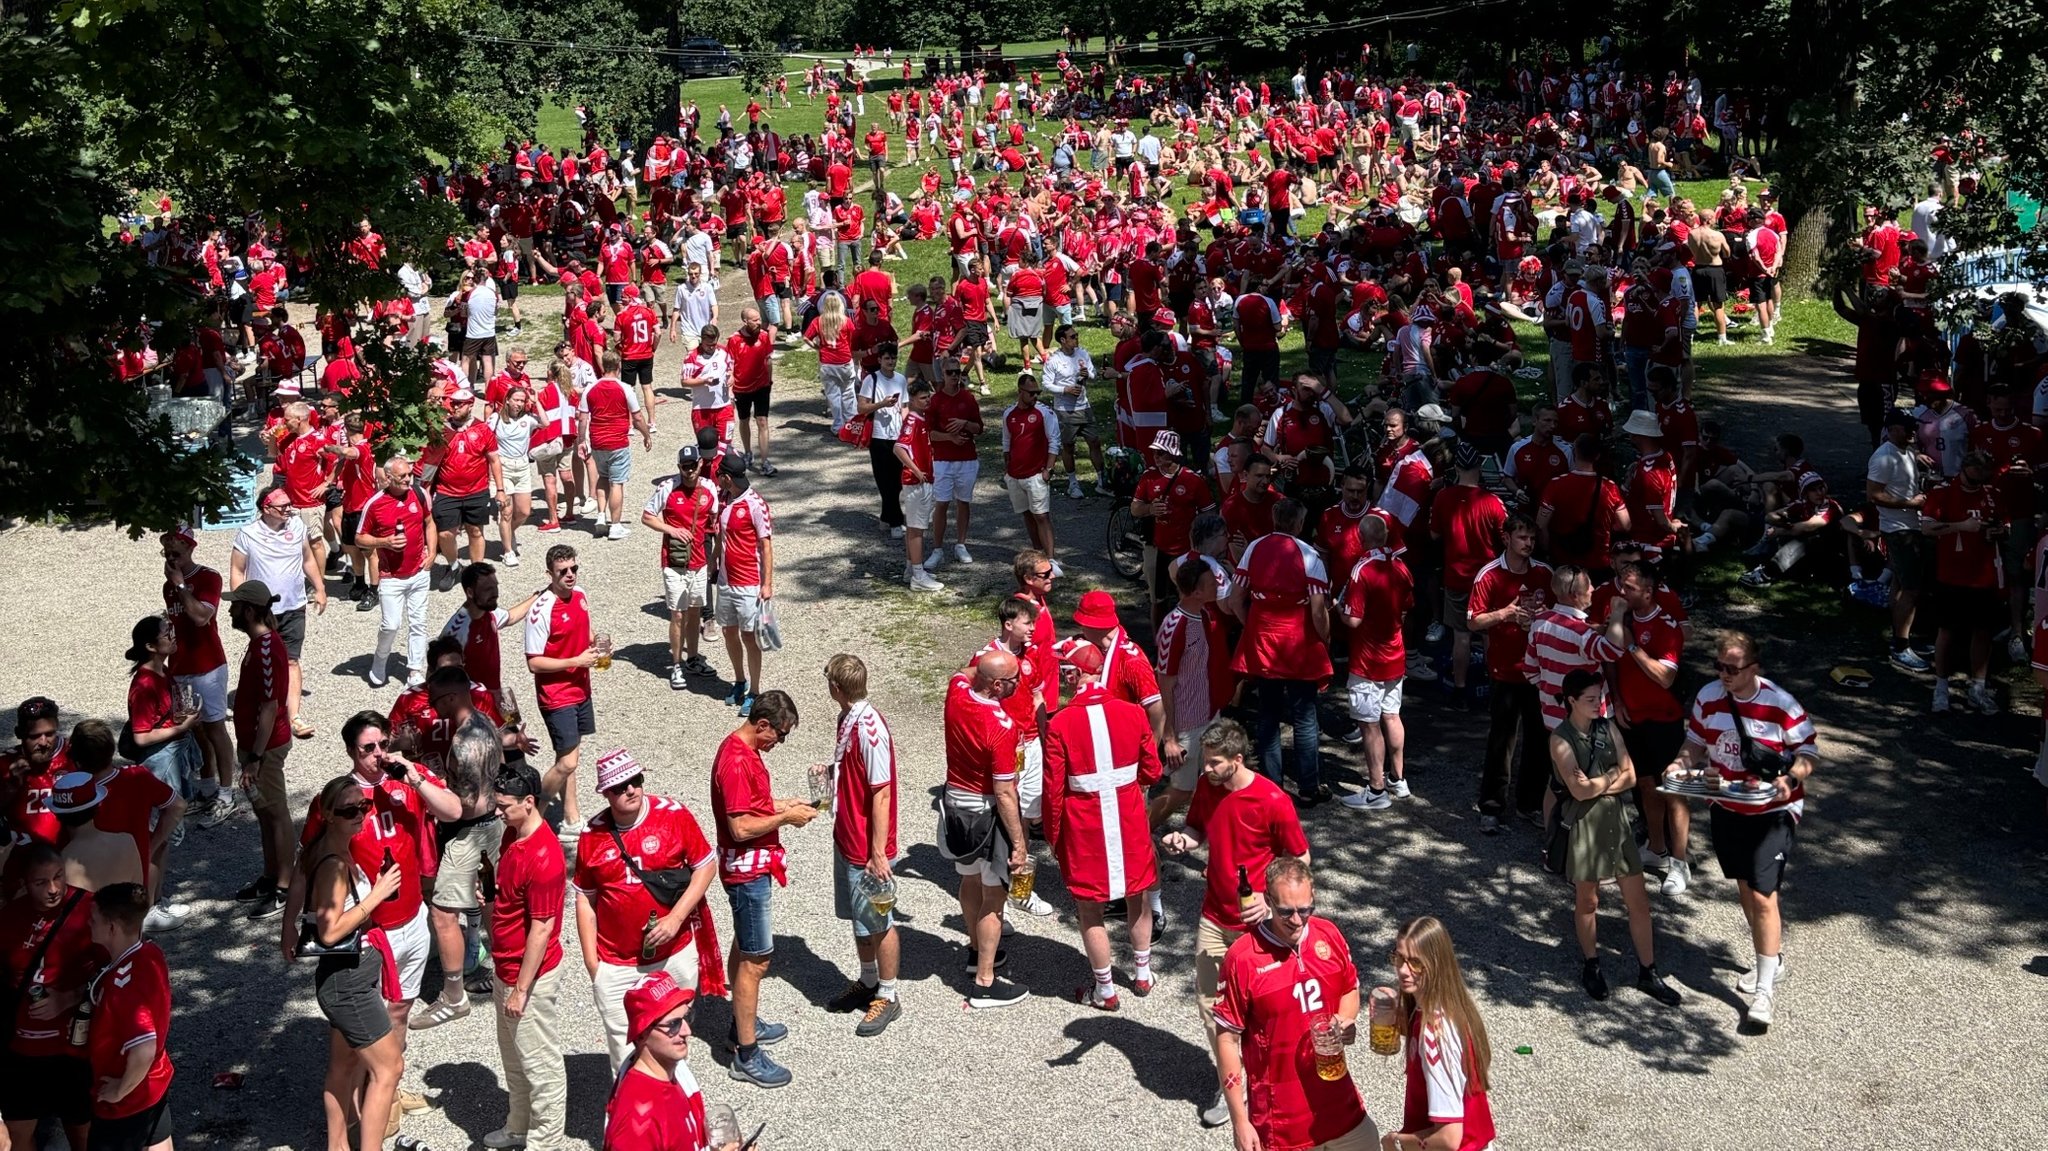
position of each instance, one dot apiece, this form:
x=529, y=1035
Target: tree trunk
x=1800, y=275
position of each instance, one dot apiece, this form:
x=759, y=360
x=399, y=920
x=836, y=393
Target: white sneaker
x=160, y=919
x=921, y=580
x=932, y=560
x=617, y=532
x=896, y=533
x=1367, y=800
x=1216, y=414
x=1759, y=1014
x=1036, y=905
x=985, y=391
x=1398, y=788
x=1746, y=983
x=585, y=506
x=2016, y=650
x=1074, y=487
x=960, y=554
x=501, y=1139
x=1982, y=699
x=1723, y=340
x=510, y=559
x=1678, y=878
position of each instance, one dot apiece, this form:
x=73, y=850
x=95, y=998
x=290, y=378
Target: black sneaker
x=1651, y=983
x=1001, y=993
x=269, y=907
x=881, y=1013
x=1002, y=960
x=856, y=997
x=1592, y=980
x=1313, y=798
x=480, y=983
x=257, y=890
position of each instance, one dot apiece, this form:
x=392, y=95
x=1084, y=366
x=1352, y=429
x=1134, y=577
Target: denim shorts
x=849, y=904
x=177, y=763
x=753, y=932
x=614, y=465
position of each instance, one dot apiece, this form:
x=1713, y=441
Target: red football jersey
x=1246, y=829
x=1271, y=994
x=740, y=786
x=981, y=739
x=131, y=1005
x=667, y=835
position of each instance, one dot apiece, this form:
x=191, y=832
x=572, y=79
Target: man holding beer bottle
x=981, y=826
x=1100, y=757
x=1247, y=822
x=1289, y=1007
x=750, y=820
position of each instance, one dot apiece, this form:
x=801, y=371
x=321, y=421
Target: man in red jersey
x=981, y=828
x=746, y=576
x=1246, y=822
x=1964, y=518
x=639, y=334
x=467, y=469
x=1282, y=978
x=750, y=351
x=1378, y=595
x=1465, y=519
x=864, y=845
x=628, y=928
x=1652, y=493
x=1651, y=718
x=609, y=413
x=972, y=290
x=1536, y=459
x=1031, y=438
x=560, y=653
x=393, y=527
x=1170, y=496
x=656, y=1103
x=683, y=510
x=750, y=819
x=1100, y=757
x=1285, y=593
x=1506, y=595
x=526, y=961
x=47, y=948
x=128, y=1039
x=263, y=737
x=29, y=772
x=192, y=598
x=476, y=624
x=954, y=420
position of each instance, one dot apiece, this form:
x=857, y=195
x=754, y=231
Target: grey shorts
x=1910, y=558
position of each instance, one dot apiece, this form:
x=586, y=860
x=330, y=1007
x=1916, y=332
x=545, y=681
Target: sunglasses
x=672, y=1028
x=1302, y=913
x=374, y=745
x=1731, y=668
x=1044, y=574
x=351, y=811
x=568, y=569
x=633, y=783
x=277, y=507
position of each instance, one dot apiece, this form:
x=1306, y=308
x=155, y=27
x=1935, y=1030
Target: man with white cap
x=657, y=1103
x=467, y=469
x=1170, y=496
x=1652, y=489
x=1100, y=757
x=642, y=869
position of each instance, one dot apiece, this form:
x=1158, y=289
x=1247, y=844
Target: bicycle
x=1128, y=536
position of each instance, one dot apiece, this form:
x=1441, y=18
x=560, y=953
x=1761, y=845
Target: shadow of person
x=1169, y=1067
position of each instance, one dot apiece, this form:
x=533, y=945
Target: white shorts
x=1190, y=772
x=1374, y=698
x=953, y=480
x=1031, y=778
x=917, y=506
x=739, y=607
x=1029, y=494
x=683, y=590
x=518, y=476
x=212, y=689
x=608, y=990
x=410, y=946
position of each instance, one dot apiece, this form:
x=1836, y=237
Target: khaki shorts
x=518, y=476
x=463, y=854
x=1211, y=943
x=548, y=457
x=1029, y=494
x=683, y=590
x=269, y=793
x=917, y=506
x=315, y=519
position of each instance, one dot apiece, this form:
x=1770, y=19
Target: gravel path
x=1912, y=1014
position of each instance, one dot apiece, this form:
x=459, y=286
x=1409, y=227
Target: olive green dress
x=1603, y=844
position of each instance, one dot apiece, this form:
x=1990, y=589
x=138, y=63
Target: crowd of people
x=1312, y=560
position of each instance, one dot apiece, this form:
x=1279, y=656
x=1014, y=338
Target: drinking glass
x=880, y=893
x=1385, y=1035
x=822, y=784
x=1328, y=1039
x=1021, y=881
x=722, y=1127
x=602, y=645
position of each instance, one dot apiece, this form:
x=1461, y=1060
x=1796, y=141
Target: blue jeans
x=1637, y=361
x=1293, y=702
x=753, y=932
x=177, y=764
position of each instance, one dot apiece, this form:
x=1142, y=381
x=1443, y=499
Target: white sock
x=453, y=993
x=1766, y=972
x=208, y=788
x=870, y=974
x=1143, y=960
x=1105, y=983
x=886, y=989
x=1978, y=685
x=1158, y=905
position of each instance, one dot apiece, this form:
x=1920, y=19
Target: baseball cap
x=1096, y=609
x=1432, y=412
x=1899, y=417
x=688, y=454
x=1165, y=318
x=630, y=291
x=615, y=767
x=1079, y=654
x=733, y=464
x=651, y=1000
x=253, y=591
x=462, y=396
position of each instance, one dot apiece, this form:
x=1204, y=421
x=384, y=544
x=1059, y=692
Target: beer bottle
x=388, y=861
x=647, y=938
x=81, y=1022
x=1244, y=890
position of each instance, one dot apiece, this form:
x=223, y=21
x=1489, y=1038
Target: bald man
x=981, y=827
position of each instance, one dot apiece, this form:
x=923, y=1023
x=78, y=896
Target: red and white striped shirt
x=1561, y=641
x=1774, y=722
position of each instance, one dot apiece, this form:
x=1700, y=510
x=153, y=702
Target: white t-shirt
x=714, y=373
x=893, y=391
x=1898, y=472
x=695, y=307
x=483, y=311
x=515, y=436
x=278, y=559
x=1066, y=380
x=699, y=249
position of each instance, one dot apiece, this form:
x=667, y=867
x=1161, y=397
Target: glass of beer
x=880, y=893
x=1328, y=1038
x=184, y=701
x=508, y=708
x=1385, y=1036
x=602, y=645
x=1021, y=881
x=722, y=1127
x=822, y=782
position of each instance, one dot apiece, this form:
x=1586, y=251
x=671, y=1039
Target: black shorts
x=751, y=404
x=350, y=521
x=568, y=725
x=46, y=1087
x=509, y=287
x=1968, y=609
x=137, y=1132
x=480, y=346
x=451, y=512
x=637, y=373
x=292, y=626
x=1761, y=287
x=1653, y=744
x=736, y=231
x=1323, y=362
x=973, y=334
x=1713, y=285
x=1910, y=556
x=1753, y=849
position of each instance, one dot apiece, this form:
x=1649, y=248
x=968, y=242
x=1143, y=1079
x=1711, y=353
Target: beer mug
x=822, y=781
x=1385, y=1036
x=508, y=707
x=722, y=1127
x=602, y=645
x=184, y=701
x=1328, y=1038
x=1021, y=881
x=880, y=893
